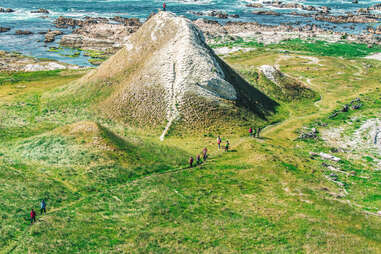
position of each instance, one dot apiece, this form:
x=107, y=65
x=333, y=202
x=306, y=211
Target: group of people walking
x=205, y=153
x=255, y=132
x=198, y=157
x=33, y=212
x=219, y=142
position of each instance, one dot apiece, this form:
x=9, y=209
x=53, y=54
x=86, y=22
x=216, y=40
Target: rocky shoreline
x=108, y=35
x=111, y=34
x=16, y=62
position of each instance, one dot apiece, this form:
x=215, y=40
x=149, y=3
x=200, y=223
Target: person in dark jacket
x=205, y=153
x=259, y=132
x=32, y=216
x=227, y=146
x=43, y=206
x=191, y=162
x=198, y=159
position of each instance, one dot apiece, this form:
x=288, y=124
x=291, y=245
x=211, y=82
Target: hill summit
x=166, y=73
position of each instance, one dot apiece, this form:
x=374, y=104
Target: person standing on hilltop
x=32, y=216
x=164, y=6
x=219, y=142
x=43, y=206
x=250, y=132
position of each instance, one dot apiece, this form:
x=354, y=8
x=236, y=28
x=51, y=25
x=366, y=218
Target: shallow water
x=30, y=45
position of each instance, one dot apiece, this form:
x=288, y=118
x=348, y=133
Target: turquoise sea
x=34, y=46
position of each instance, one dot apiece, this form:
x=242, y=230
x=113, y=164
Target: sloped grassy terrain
x=112, y=188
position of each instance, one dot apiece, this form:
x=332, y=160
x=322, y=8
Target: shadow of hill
x=248, y=96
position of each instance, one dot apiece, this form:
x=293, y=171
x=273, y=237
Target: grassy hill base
x=111, y=188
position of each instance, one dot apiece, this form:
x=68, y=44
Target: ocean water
x=33, y=45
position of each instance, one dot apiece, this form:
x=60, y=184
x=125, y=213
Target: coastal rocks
x=97, y=36
x=211, y=28
x=267, y=34
x=4, y=29
x=255, y=5
x=7, y=10
x=376, y=7
x=43, y=67
x=281, y=5
x=51, y=36
x=41, y=10
x=16, y=62
x=63, y=22
x=132, y=22
x=373, y=30
x=272, y=13
x=98, y=33
x=214, y=13
x=346, y=19
x=23, y=32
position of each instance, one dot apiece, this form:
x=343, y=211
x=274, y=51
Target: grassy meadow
x=114, y=188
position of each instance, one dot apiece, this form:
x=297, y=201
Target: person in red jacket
x=219, y=142
x=164, y=7
x=32, y=216
x=191, y=162
x=250, y=132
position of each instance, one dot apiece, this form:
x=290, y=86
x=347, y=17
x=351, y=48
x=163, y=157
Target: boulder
x=23, y=32
x=4, y=29
x=272, y=13
x=7, y=10
x=41, y=10
x=51, y=36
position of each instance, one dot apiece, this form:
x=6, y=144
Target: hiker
x=43, y=206
x=227, y=146
x=250, y=132
x=219, y=142
x=259, y=131
x=198, y=159
x=205, y=153
x=164, y=7
x=32, y=216
x=191, y=162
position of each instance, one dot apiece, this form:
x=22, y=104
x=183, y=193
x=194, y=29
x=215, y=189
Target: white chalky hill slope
x=166, y=74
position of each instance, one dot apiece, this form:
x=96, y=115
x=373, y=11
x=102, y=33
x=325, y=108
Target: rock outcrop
x=14, y=62
x=23, y=32
x=98, y=33
x=41, y=10
x=166, y=74
x=280, y=86
x=4, y=29
x=6, y=10
x=51, y=36
x=97, y=36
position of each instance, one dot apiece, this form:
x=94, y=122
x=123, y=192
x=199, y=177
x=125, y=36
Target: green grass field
x=112, y=188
